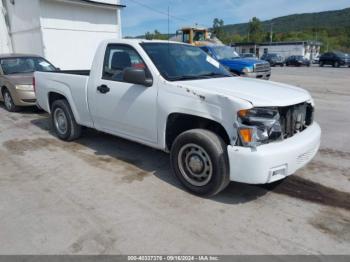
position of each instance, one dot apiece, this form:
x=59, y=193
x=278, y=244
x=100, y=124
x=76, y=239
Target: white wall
x=66, y=32
x=25, y=26
x=5, y=40
x=72, y=31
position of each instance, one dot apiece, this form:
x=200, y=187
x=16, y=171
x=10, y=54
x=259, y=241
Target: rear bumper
x=260, y=75
x=274, y=161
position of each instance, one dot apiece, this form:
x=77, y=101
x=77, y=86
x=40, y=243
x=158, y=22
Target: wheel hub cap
x=60, y=121
x=195, y=165
x=8, y=101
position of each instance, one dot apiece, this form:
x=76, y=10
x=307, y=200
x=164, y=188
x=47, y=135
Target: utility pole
x=271, y=32
x=168, y=22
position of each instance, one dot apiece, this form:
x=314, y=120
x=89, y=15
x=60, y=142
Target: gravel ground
x=105, y=195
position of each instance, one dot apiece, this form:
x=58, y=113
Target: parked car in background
x=16, y=79
x=248, y=55
x=248, y=67
x=316, y=59
x=335, y=59
x=297, y=60
x=273, y=59
x=174, y=97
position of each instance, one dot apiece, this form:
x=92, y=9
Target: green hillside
x=331, y=28
x=299, y=22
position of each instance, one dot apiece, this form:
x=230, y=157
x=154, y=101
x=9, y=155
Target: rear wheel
x=8, y=101
x=63, y=121
x=199, y=160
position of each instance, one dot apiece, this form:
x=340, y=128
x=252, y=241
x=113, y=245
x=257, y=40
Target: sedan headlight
x=248, y=69
x=258, y=126
x=25, y=87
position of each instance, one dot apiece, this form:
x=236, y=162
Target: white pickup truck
x=174, y=97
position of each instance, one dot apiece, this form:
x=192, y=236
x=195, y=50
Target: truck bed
x=70, y=83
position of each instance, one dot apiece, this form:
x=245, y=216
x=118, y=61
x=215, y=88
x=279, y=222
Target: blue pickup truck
x=248, y=67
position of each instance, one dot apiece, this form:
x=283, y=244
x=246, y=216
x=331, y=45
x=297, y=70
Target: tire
x=321, y=64
x=63, y=121
x=336, y=64
x=208, y=154
x=8, y=101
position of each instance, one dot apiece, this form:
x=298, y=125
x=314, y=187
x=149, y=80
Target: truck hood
x=20, y=79
x=257, y=92
x=243, y=62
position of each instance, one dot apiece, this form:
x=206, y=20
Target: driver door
x=121, y=108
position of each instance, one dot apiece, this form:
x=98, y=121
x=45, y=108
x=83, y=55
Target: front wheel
x=8, y=101
x=63, y=121
x=199, y=160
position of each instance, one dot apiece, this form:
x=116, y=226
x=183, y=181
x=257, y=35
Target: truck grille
x=263, y=67
x=295, y=118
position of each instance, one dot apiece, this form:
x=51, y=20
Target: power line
x=161, y=12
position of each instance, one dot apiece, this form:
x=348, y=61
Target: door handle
x=103, y=89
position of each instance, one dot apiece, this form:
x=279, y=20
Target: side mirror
x=137, y=76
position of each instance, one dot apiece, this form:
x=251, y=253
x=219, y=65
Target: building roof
x=96, y=2
x=279, y=43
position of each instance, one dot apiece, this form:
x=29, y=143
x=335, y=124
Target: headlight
x=25, y=87
x=248, y=69
x=258, y=126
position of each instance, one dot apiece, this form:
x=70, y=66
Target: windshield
x=225, y=52
x=22, y=65
x=341, y=54
x=183, y=62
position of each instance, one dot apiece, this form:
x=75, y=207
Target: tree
x=218, y=29
x=256, y=33
x=156, y=35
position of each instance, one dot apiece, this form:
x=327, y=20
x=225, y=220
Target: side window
x=205, y=49
x=117, y=59
x=208, y=51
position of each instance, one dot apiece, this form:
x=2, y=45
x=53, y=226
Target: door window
x=117, y=59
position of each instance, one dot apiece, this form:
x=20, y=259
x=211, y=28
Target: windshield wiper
x=193, y=77
x=14, y=73
x=212, y=75
x=184, y=77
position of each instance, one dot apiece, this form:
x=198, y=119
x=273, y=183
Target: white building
x=66, y=32
x=308, y=49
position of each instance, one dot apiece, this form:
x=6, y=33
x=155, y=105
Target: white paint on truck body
x=140, y=113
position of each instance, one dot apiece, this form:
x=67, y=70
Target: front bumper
x=272, y=162
x=260, y=75
x=24, y=98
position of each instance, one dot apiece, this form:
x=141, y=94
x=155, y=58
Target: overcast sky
x=141, y=16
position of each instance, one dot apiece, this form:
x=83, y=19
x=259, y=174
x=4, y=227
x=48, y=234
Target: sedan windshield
x=183, y=62
x=225, y=52
x=341, y=54
x=22, y=65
